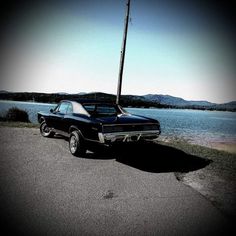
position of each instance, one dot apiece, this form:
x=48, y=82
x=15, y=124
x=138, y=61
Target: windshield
x=101, y=109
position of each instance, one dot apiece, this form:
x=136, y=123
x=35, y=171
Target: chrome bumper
x=131, y=136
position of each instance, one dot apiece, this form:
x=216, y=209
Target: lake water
x=207, y=128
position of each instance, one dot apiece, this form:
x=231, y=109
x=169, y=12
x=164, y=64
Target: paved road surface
x=47, y=191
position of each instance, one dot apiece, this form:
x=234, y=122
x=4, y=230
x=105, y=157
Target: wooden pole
x=122, y=55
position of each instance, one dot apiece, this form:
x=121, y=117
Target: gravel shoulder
x=216, y=181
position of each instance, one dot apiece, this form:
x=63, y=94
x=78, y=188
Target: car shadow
x=58, y=136
x=158, y=158
x=151, y=157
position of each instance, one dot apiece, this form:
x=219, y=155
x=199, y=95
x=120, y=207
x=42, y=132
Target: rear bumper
x=130, y=136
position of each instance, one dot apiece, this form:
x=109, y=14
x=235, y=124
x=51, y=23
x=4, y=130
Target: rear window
x=101, y=110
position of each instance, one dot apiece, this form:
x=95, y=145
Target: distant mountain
x=62, y=93
x=175, y=101
x=230, y=106
x=181, y=103
x=81, y=93
x=3, y=91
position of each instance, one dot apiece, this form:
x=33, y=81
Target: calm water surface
x=199, y=127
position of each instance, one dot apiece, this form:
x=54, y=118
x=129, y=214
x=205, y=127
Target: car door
x=58, y=115
x=65, y=123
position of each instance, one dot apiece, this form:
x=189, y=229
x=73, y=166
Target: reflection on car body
x=91, y=123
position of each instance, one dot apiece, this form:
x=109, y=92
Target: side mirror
x=51, y=110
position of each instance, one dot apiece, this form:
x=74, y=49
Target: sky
x=173, y=47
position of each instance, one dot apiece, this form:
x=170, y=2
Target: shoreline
x=225, y=146
x=216, y=181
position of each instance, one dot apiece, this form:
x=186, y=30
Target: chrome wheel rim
x=45, y=129
x=73, y=144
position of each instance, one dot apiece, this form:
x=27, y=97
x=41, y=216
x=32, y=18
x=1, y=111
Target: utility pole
x=122, y=55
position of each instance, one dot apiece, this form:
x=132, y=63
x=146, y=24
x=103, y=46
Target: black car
x=92, y=123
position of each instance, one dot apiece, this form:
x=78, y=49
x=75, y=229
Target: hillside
x=175, y=101
x=181, y=103
x=149, y=100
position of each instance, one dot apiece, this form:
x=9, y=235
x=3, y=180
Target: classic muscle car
x=89, y=123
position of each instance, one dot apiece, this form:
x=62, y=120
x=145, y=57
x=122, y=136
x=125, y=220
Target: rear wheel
x=45, y=130
x=76, y=144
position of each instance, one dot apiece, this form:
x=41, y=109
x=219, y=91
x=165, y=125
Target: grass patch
x=18, y=124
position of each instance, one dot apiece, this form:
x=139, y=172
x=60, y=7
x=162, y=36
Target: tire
x=45, y=130
x=76, y=144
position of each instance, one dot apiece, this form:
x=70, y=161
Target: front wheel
x=45, y=130
x=76, y=144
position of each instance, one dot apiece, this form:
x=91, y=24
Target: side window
x=63, y=107
x=70, y=108
x=56, y=109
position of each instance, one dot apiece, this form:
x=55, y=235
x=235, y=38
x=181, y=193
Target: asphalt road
x=47, y=191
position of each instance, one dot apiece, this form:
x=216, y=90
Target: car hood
x=125, y=119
